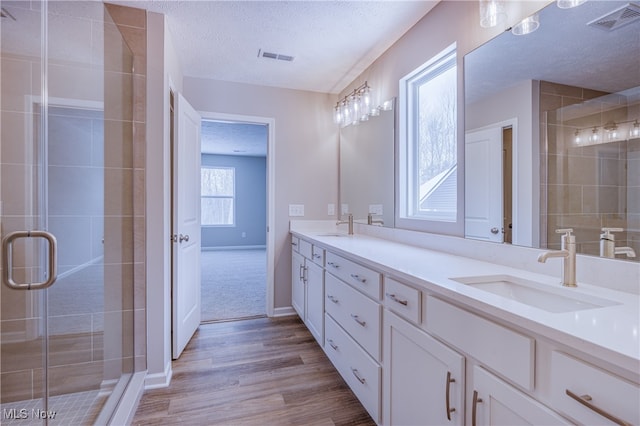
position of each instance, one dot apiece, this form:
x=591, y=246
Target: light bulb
x=577, y=138
x=568, y=4
x=594, y=136
x=527, y=25
x=337, y=114
x=491, y=13
x=634, y=132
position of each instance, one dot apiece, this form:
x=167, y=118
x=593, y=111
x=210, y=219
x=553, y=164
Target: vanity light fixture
x=612, y=131
x=527, y=25
x=355, y=107
x=568, y=4
x=492, y=13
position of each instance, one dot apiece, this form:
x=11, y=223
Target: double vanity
x=424, y=336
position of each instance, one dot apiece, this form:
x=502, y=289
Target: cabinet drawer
x=305, y=248
x=503, y=350
x=317, y=255
x=360, y=277
x=597, y=389
x=356, y=313
x=295, y=243
x=362, y=374
x=402, y=299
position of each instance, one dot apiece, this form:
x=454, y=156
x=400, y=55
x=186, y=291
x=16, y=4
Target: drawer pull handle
x=333, y=264
x=355, y=373
x=332, y=344
x=357, y=319
x=448, y=392
x=294, y=244
x=316, y=256
x=586, y=401
x=332, y=298
x=395, y=299
x=358, y=278
x=476, y=401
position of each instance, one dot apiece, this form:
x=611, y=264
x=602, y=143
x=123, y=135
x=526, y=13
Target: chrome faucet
x=349, y=221
x=371, y=220
x=567, y=253
x=608, y=244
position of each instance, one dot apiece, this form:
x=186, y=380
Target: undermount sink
x=530, y=293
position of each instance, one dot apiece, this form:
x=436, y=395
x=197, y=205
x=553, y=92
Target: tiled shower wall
x=587, y=187
x=112, y=340
x=132, y=25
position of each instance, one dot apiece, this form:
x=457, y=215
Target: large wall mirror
x=552, y=133
x=367, y=169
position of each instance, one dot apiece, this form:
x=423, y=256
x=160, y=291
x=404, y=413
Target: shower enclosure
x=66, y=214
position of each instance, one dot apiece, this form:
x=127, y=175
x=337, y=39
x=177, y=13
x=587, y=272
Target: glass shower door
x=65, y=214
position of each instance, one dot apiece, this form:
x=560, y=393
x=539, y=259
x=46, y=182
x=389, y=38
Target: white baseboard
x=283, y=312
x=159, y=380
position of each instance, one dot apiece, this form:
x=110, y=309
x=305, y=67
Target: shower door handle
x=7, y=260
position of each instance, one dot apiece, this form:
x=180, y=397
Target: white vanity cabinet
x=494, y=402
x=353, y=328
x=423, y=379
x=307, y=285
x=415, y=354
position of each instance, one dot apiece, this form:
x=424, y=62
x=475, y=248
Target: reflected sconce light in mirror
x=568, y=4
x=527, y=25
x=357, y=106
x=610, y=132
x=492, y=13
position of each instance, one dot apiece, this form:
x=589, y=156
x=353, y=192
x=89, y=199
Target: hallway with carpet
x=233, y=284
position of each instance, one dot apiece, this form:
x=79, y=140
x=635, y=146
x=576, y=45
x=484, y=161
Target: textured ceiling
x=563, y=50
x=332, y=42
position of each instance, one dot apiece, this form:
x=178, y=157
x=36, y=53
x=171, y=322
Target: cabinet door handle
x=358, y=278
x=294, y=244
x=586, y=401
x=355, y=373
x=357, y=319
x=317, y=256
x=332, y=344
x=332, y=298
x=447, y=395
x=301, y=273
x=476, y=401
x=395, y=299
x=333, y=265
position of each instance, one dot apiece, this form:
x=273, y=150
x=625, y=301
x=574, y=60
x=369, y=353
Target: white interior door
x=186, y=225
x=483, y=185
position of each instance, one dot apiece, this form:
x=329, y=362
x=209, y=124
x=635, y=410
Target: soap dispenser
x=608, y=244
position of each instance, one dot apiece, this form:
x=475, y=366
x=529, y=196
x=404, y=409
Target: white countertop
x=610, y=333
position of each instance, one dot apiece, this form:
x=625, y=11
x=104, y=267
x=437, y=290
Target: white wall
x=162, y=66
x=306, y=153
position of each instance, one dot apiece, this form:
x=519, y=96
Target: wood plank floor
x=265, y=371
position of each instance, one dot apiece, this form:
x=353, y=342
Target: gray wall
x=251, y=203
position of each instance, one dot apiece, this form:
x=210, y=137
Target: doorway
x=234, y=219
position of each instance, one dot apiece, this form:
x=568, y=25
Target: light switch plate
x=331, y=209
x=296, y=209
x=344, y=209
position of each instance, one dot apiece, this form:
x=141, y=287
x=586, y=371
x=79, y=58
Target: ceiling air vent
x=613, y=20
x=271, y=55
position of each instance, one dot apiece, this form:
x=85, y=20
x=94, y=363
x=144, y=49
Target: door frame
x=270, y=123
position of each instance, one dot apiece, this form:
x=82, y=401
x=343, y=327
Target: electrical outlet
x=331, y=209
x=244, y=235
x=296, y=209
x=375, y=209
x=345, y=209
